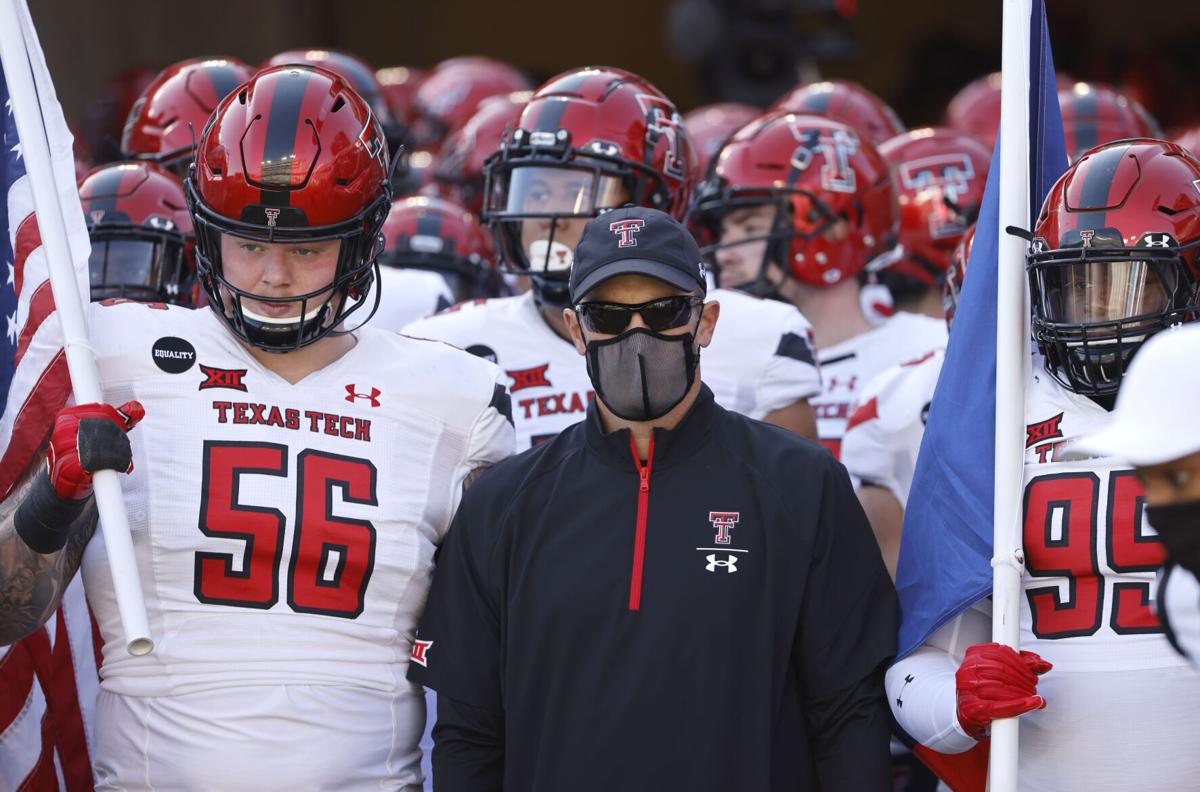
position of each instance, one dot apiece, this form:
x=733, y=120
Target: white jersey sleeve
x=883, y=435
x=491, y=439
x=849, y=367
x=546, y=377
x=406, y=295
x=922, y=690
x=761, y=358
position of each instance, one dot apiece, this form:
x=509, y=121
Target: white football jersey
x=847, y=368
x=406, y=295
x=760, y=358
x=885, y=429
x=284, y=535
x=1120, y=702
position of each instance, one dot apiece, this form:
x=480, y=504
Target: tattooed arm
x=32, y=583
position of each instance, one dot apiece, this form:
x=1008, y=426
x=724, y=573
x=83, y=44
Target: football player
x=940, y=176
x=141, y=234
x=291, y=479
x=1108, y=703
x=434, y=255
x=590, y=140
x=1096, y=114
x=885, y=429
x=166, y=120
x=796, y=207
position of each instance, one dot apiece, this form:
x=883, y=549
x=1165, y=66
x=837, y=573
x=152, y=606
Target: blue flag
x=12, y=168
x=946, y=552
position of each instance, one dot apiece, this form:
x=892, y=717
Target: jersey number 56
x=332, y=557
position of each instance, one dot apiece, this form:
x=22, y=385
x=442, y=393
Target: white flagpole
x=1012, y=328
x=81, y=361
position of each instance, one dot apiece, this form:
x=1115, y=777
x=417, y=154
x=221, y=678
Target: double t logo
x=724, y=522
x=626, y=230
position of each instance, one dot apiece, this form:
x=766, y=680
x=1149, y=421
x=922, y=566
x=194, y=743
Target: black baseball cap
x=639, y=241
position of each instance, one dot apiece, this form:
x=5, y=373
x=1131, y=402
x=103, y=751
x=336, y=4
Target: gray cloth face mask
x=641, y=375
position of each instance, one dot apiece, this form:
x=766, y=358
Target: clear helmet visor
x=134, y=267
x=543, y=210
x=1094, y=292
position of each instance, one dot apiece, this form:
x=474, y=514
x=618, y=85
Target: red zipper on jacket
x=639, y=538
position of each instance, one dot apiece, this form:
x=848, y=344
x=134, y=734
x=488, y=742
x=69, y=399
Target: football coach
x=667, y=595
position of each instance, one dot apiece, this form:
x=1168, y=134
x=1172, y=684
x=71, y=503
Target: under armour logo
x=373, y=396
x=1157, y=240
x=900, y=698
x=272, y=216
x=625, y=230
x=729, y=562
x=724, y=522
x=419, y=650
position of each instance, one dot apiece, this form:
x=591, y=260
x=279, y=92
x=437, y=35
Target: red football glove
x=995, y=682
x=87, y=438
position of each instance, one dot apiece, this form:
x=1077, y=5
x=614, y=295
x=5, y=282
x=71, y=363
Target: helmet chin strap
x=551, y=292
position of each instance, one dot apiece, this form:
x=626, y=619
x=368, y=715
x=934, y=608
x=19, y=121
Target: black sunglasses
x=662, y=314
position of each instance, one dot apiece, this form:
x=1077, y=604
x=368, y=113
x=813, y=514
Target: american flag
x=49, y=680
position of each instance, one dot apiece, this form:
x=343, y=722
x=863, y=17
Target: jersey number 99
x=1062, y=537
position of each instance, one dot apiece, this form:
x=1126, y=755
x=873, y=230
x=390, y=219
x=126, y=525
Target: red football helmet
x=460, y=168
x=710, y=126
x=588, y=140
x=433, y=234
x=1095, y=114
x=358, y=73
x=294, y=155
x=835, y=206
x=141, y=234
x=400, y=85
x=1189, y=140
x=1114, y=260
x=454, y=91
x=167, y=119
x=847, y=102
x=955, y=273
x=940, y=175
x=975, y=110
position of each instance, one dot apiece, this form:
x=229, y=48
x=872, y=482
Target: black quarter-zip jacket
x=717, y=617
